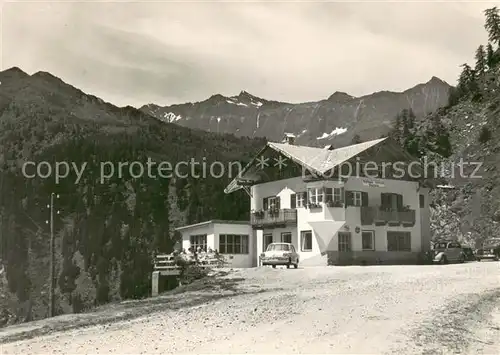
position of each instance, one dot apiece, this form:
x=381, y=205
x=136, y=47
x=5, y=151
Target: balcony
x=273, y=218
x=375, y=215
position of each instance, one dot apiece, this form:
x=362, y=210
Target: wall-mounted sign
x=357, y=229
x=372, y=183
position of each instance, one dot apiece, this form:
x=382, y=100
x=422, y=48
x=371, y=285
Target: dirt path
x=351, y=310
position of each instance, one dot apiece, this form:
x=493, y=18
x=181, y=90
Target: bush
x=190, y=273
x=484, y=135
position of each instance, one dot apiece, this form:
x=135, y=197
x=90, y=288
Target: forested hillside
x=465, y=131
x=106, y=232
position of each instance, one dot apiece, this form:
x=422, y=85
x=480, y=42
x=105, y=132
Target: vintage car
x=448, y=252
x=280, y=254
x=469, y=254
x=490, y=250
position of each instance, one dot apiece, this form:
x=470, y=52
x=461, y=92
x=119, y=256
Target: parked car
x=280, y=254
x=469, y=254
x=448, y=252
x=490, y=250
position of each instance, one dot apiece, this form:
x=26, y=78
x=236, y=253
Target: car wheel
x=443, y=260
x=296, y=265
x=274, y=266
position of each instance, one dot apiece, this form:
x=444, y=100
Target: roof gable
x=317, y=160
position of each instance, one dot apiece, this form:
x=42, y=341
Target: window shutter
x=364, y=199
x=349, y=198
x=385, y=199
x=293, y=201
x=265, y=203
x=277, y=206
x=399, y=201
x=342, y=194
x=306, y=197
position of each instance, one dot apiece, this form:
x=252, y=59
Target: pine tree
x=491, y=57
x=480, y=61
x=467, y=84
x=492, y=24
x=356, y=139
x=397, y=129
x=411, y=119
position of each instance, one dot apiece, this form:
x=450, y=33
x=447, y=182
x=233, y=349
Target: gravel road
x=350, y=310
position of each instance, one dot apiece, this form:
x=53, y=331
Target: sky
x=134, y=53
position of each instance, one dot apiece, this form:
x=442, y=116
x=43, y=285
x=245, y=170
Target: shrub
x=484, y=135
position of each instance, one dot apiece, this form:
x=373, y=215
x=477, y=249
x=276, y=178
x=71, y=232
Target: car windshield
x=492, y=241
x=278, y=247
x=440, y=245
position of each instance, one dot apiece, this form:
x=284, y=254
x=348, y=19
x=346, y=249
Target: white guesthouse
x=351, y=205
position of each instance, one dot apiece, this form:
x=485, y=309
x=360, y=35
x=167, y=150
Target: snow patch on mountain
x=171, y=117
x=244, y=99
x=302, y=133
x=337, y=131
x=230, y=101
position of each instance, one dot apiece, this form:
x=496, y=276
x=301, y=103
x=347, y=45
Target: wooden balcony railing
x=378, y=216
x=273, y=219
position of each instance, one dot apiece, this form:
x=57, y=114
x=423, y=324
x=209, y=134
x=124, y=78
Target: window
x=368, y=240
x=198, y=241
x=421, y=200
x=440, y=245
x=267, y=239
x=316, y=195
x=301, y=199
x=328, y=194
x=338, y=194
x=233, y=244
x=391, y=201
x=278, y=247
x=293, y=201
x=398, y=241
x=306, y=241
x=344, y=241
x=286, y=237
x=356, y=198
x=271, y=203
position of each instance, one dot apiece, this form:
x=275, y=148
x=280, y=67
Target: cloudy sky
x=173, y=52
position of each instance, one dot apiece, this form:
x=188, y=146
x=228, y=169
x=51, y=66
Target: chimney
x=289, y=138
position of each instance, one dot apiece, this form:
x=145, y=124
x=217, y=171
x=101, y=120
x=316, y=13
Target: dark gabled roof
x=315, y=160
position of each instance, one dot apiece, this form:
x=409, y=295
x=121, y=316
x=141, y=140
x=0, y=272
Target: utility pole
x=52, y=256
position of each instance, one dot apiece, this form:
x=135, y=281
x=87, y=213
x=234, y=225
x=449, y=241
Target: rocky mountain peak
x=339, y=96
x=436, y=80
x=13, y=73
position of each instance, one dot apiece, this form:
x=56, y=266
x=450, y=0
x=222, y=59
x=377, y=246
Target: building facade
x=332, y=222
x=336, y=218
x=233, y=239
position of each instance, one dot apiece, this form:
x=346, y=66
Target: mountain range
x=335, y=120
